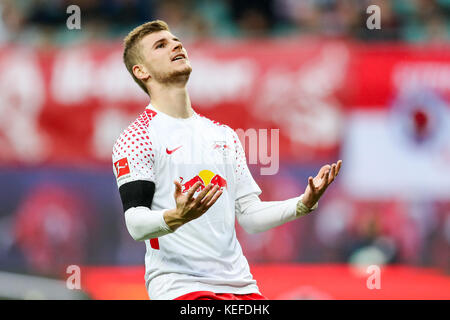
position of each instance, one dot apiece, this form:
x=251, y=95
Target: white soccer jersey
x=204, y=254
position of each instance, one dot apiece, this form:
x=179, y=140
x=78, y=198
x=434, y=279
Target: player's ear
x=140, y=72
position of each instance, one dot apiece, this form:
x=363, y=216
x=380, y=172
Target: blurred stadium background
x=378, y=99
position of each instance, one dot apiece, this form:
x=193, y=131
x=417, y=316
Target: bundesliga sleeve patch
x=121, y=167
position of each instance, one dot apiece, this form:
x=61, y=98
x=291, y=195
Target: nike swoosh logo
x=173, y=150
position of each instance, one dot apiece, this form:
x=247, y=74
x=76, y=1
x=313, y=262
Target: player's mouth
x=179, y=56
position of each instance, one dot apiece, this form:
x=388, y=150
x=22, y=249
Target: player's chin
x=185, y=65
x=183, y=70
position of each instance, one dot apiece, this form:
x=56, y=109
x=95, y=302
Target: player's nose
x=177, y=46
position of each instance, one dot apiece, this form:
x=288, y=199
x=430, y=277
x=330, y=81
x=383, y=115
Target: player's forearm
x=143, y=223
x=255, y=215
x=173, y=219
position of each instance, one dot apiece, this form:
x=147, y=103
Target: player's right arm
x=189, y=208
x=144, y=223
x=133, y=166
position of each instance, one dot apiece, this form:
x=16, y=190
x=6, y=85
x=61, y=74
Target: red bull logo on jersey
x=205, y=177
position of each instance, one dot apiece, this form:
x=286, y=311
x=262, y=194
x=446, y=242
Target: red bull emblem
x=205, y=177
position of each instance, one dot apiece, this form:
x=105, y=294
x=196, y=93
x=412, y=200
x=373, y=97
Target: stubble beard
x=177, y=76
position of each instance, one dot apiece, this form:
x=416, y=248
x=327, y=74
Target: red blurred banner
x=292, y=282
x=68, y=105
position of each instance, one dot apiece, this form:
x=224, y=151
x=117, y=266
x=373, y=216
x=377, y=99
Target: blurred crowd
x=44, y=21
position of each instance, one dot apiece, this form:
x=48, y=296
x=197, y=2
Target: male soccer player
x=183, y=180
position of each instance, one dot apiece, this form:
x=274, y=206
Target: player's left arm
x=255, y=215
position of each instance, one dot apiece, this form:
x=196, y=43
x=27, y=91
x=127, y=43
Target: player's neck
x=172, y=100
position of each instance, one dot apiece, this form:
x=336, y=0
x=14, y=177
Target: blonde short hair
x=132, y=54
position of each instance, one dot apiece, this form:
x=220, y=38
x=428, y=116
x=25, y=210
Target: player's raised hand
x=317, y=185
x=189, y=208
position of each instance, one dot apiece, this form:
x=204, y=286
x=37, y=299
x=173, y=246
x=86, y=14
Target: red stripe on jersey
x=154, y=243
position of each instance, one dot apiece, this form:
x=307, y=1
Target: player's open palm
x=190, y=208
x=317, y=185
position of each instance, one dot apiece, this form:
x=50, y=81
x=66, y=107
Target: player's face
x=165, y=57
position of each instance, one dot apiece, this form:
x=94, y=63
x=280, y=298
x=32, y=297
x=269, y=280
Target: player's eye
x=161, y=45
